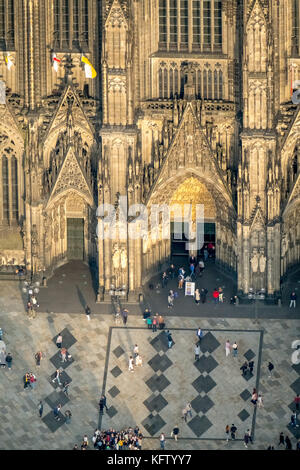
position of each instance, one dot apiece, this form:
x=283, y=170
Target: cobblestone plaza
x=154, y=395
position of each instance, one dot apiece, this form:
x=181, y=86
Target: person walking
x=293, y=422
x=235, y=349
x=233, y=431
x=293, y=299
x=170, y=340
x=197, y=352
x=88, y=312
x=244, y=368
x=155, y=323
x=9, y=361
x=175, y=432
x=281, y=439
x=149, y=323
x=40, y=408
x=197, y=296
x=162, y=440
x=170, y=299
x=32, y=379
x=227, y=431
x=254, y=397
x=201, y=266
x=161, y=322
x=180, y=281
x=130, y=366
x=164, y=280
x=101, y=405
x=135, y=351
x=199, y=335
x=38, y=357
x=56, y=411
x=227, y=348
x=297, y=402
x=216, y=296
x=125, y=315
x=68, y=416
x=288, y=444
x=203, y=294
x=246, y=440
x=184, y=414
x=172, y=271
x=221, y=295
x=270, y=368
x=188, y=408
x=59, y=340
x=260, y=401
x=63, y=353
x=138, y=360
x=66, y=388
x=57, y=377
x=251, y=366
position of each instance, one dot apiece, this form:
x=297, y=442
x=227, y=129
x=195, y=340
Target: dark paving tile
x=206, y=364
x=56, y=361
x=279, y=411
x=296, y=367
x=118, y=351
x=160, y=342
x=199, y=425
x=248, y=375
x=155, y=403
x=153, y=424
x=111, y=411
x=67, y=338
x=202, y=404
x=52, y=423
x=243, y=415
x=114, y=391
x=245, y=395
x=116, y=371
x=157, y=382
x=294, y=431
x=204, y=384
x=209, y=343
x=292, y=407
x=56, y=398
x=160, y=363
x=249, y=355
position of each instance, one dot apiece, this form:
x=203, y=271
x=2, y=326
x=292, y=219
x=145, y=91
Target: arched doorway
x=191, y=192
x=219, y=220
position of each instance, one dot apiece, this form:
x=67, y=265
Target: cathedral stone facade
x=192, y=103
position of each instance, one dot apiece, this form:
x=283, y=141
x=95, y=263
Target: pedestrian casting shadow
x=81, y=297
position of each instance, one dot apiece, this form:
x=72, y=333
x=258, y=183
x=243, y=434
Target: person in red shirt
x=297, y=402
x=216, y=296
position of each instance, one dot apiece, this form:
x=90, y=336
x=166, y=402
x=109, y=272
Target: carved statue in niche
x=116, y=257
x=123, y=258
x=254, y=260
x=262, y=261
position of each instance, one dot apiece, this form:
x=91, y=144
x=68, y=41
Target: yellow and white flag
x=8, y=61
x=90, y=72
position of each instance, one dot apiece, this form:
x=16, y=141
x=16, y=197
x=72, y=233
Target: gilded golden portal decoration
x=192, y=191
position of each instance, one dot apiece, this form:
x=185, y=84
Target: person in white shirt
x=130, y=364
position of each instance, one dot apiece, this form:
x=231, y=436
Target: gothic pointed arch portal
x=69, y=226
x=219, y=221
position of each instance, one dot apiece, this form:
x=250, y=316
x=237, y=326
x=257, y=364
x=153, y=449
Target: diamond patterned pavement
x=21, y=427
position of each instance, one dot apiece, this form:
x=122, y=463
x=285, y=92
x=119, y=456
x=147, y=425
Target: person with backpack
x=233, y=431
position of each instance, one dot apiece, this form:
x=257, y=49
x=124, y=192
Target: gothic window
x=10, y=196
x=209, y=85
x=71, y=24
x=7, y=25
x=190, y=25
x=295, y=27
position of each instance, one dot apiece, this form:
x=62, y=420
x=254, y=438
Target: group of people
x=135, y=360
x=126, y=439
x=29, y=380
x=153, y=323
